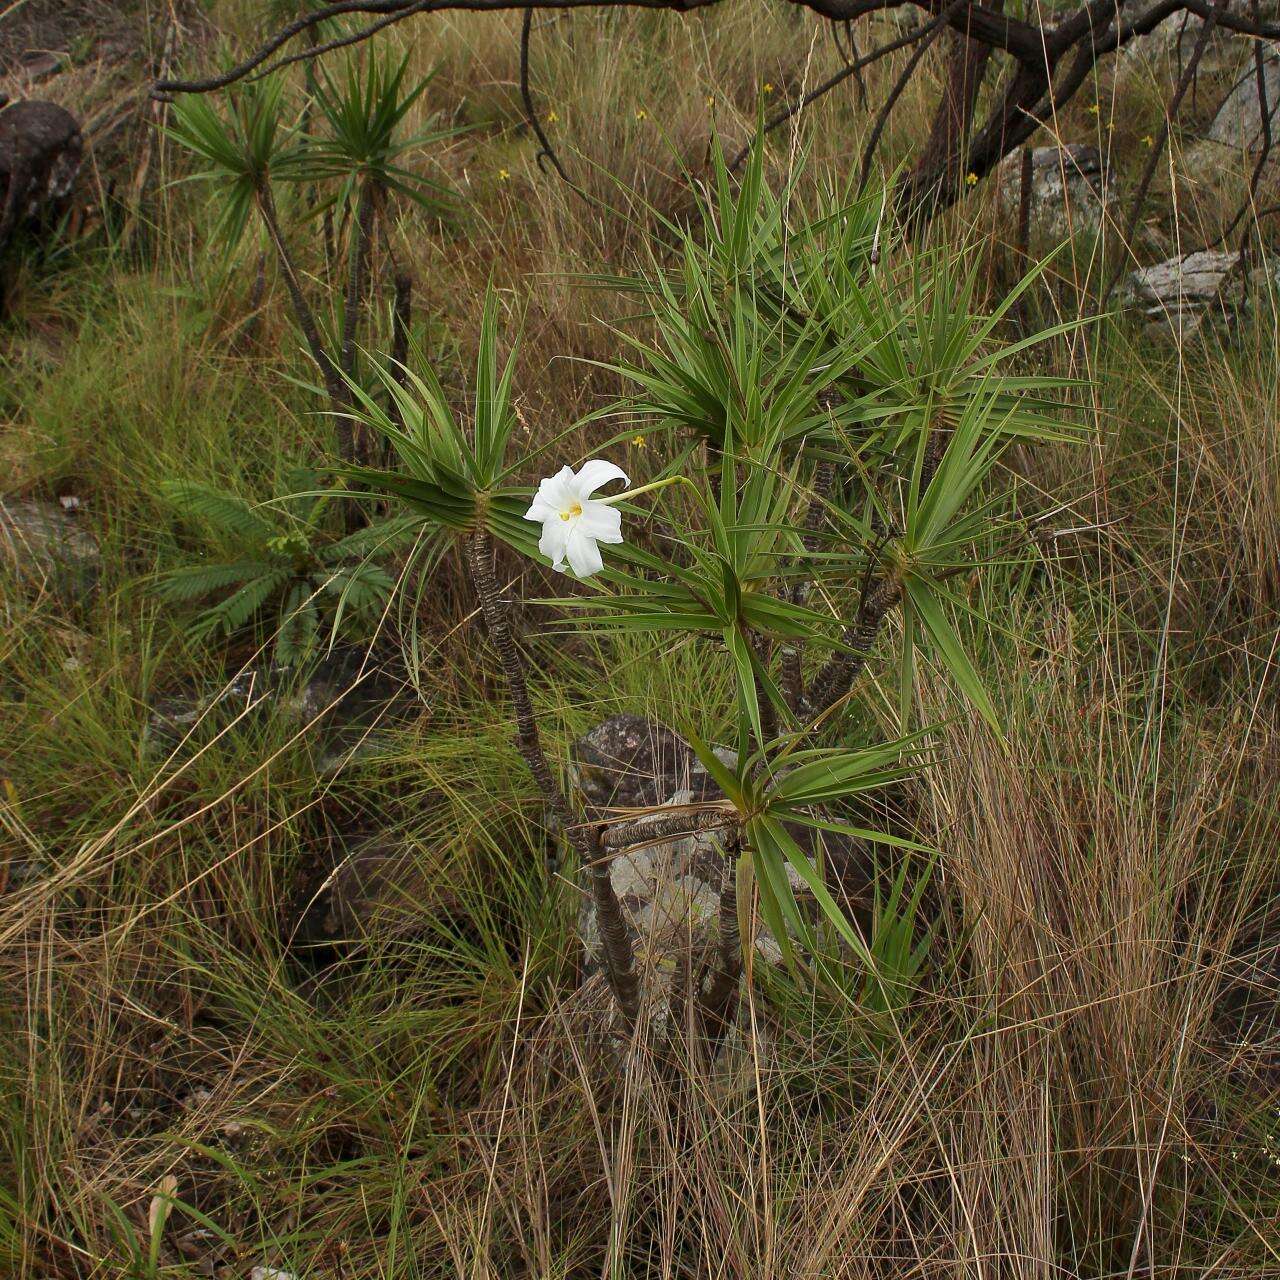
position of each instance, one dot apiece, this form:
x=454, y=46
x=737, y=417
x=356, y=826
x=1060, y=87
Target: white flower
x=572, y=521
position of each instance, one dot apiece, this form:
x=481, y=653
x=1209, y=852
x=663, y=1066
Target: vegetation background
x=198, y=1083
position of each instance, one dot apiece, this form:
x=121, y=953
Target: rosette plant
x=836, y=410
x=279, y=561
x=348, y=144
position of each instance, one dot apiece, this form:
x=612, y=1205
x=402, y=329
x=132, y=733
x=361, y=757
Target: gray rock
x=39, y=64
x=1170, y=46
x=670, y=889
x=1238, y=123
x=1069, y=194
x=41, y=540
x=40, y=153
x=628, y=762
x=380, y=885
x=1181, y=293
x=344, y=698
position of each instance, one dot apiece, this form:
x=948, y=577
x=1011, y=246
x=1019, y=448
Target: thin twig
x=392, y=11
x=926, y=37
x=1149, y=170
x=792, y=652
x=850, y=69
x=852, y=57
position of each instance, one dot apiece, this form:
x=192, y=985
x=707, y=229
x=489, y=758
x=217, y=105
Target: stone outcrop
x=1069, y=193
x=670, y=888
x=1181, y=293
x=40, y=153
x=42, y=541
x=1237, y=125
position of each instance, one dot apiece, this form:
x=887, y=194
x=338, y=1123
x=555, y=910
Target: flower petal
x=540, y=508
x=555, y=494
x=555, y=533
x=595, y=473
x=582, y=552
x=601, y=522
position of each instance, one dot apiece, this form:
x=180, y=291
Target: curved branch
x=1022, y=39
x=852, y=56
x=1148, y=21
x=546, y=150
x=391, y=11
x=926, y=39
x=358, y=36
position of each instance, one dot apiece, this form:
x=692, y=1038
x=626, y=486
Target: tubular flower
x=573, y=522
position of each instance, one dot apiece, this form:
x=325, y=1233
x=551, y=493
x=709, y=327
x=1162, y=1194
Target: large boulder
x=41, y=148
x=1238, y=123
x=1169, y=47
x=1235, y=136
x=1068, y=193
x=670, y=889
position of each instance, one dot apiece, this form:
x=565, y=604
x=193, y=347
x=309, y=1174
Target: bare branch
x=545, y=150
x=391, y=11
x=926, y=39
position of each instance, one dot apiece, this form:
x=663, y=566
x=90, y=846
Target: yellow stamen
x=575, y=510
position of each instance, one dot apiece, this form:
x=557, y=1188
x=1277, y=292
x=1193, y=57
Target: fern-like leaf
x=299, y=625
x=225, y=511
x=381, y=537
x=193, y=581
x=238, y=608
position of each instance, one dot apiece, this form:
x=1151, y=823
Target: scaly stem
x=615, y=941
x=401, y=323
x=361, y=241
x=843, y=668
x=657, y=828
x=721, y=1000
x=792, y=655
x=306, y=320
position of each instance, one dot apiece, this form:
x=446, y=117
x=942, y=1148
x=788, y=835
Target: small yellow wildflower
x=641, y=114
x=552, y=116
x=503, y=175
x=1148, y=141
x=768, y=87
x=971, y=179
x=1093, y=110
x=639, y=441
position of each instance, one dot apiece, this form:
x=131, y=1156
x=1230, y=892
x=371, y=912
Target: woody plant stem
x=586, y=840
